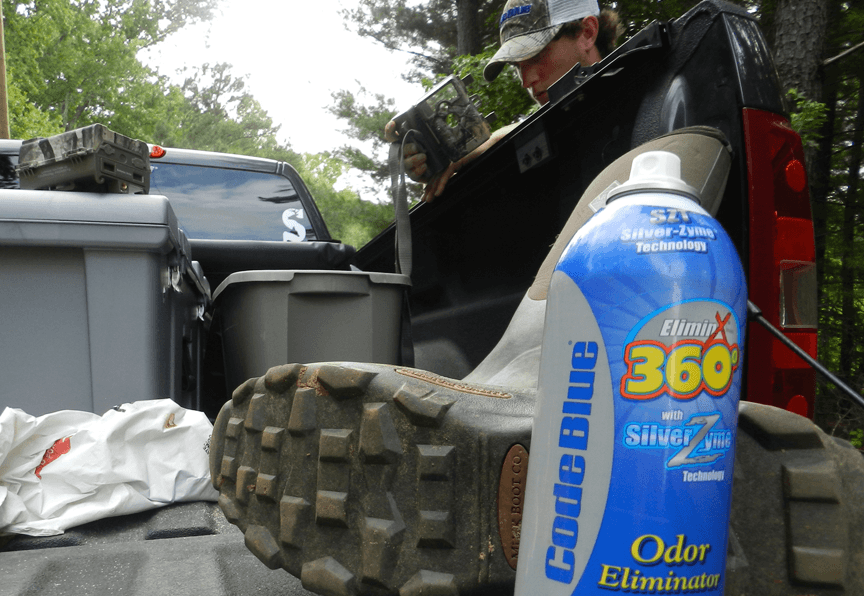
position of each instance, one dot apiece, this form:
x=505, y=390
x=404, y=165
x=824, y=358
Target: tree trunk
x=799, y=43
x=468, y=27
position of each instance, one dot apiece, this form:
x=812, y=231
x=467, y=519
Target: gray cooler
x=276, y=317
x=100, y=302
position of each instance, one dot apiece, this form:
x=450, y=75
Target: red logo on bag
x=60, y=447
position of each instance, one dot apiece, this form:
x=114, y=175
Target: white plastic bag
x=69, y=467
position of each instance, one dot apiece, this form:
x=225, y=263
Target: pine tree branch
x=842, y=54
x=390, y=46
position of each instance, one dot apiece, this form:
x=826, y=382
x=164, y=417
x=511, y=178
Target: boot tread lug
x=257, y=414
x=331, y=508
x=281, y=378
x=243, y=393
x=259, y=540
x=302, y=420
x=430, y=583
x=271, y=438
x=423, y=408
x=327, y=576
x=344, y=382
x=379, y=442
x=294, y=519
x=245, y=485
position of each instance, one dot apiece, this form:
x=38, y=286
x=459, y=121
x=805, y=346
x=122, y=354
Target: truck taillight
x=782, y=269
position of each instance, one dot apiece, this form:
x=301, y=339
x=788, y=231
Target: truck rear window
x=219, y=203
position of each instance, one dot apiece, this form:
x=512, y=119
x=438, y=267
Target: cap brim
x=519, y=48
x=492, y=70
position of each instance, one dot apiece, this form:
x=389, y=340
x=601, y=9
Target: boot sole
x=373, y=479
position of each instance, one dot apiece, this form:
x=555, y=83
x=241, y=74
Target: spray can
x=630, y=479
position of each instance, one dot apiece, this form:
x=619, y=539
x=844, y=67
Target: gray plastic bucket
x=271, y=318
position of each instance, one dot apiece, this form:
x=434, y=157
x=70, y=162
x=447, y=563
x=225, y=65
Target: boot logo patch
x=511, y=498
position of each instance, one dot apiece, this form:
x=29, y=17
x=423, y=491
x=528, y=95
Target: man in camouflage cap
x=543, y=39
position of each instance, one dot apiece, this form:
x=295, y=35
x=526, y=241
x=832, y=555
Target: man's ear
x=590, y=30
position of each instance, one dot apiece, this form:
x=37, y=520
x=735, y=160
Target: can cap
x=655, y=171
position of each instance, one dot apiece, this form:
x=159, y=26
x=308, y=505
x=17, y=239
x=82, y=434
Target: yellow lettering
x=608, y=576
x=673, y=553
x=624, y=585
x=654, y=583
x=683, y=373
x=644, y=377
x=636, y=549
x=676, y=554
x=690, y=553
x=627, y=579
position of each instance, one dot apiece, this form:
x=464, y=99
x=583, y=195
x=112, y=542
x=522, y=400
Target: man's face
x=544, y=69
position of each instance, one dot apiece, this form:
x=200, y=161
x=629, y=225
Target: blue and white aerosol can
x=630, y=476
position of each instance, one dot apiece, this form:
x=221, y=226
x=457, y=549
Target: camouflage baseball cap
x=527, y=26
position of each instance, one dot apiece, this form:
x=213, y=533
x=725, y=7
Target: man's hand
x=415, y=162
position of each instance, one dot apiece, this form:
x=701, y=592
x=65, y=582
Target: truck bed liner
x=182, y=549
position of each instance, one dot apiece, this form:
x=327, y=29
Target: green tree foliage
x=215, y=112
x=366, y=124
x=46, y=40
x=28, y=121
x=841, y=305
x=807, y=118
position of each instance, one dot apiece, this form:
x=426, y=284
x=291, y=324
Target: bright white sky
x=295, y=55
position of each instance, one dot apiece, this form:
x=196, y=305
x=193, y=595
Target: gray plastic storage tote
x=101, y=304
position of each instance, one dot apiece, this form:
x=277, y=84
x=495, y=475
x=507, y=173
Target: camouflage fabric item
x=93, y=159
x=41, y=151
